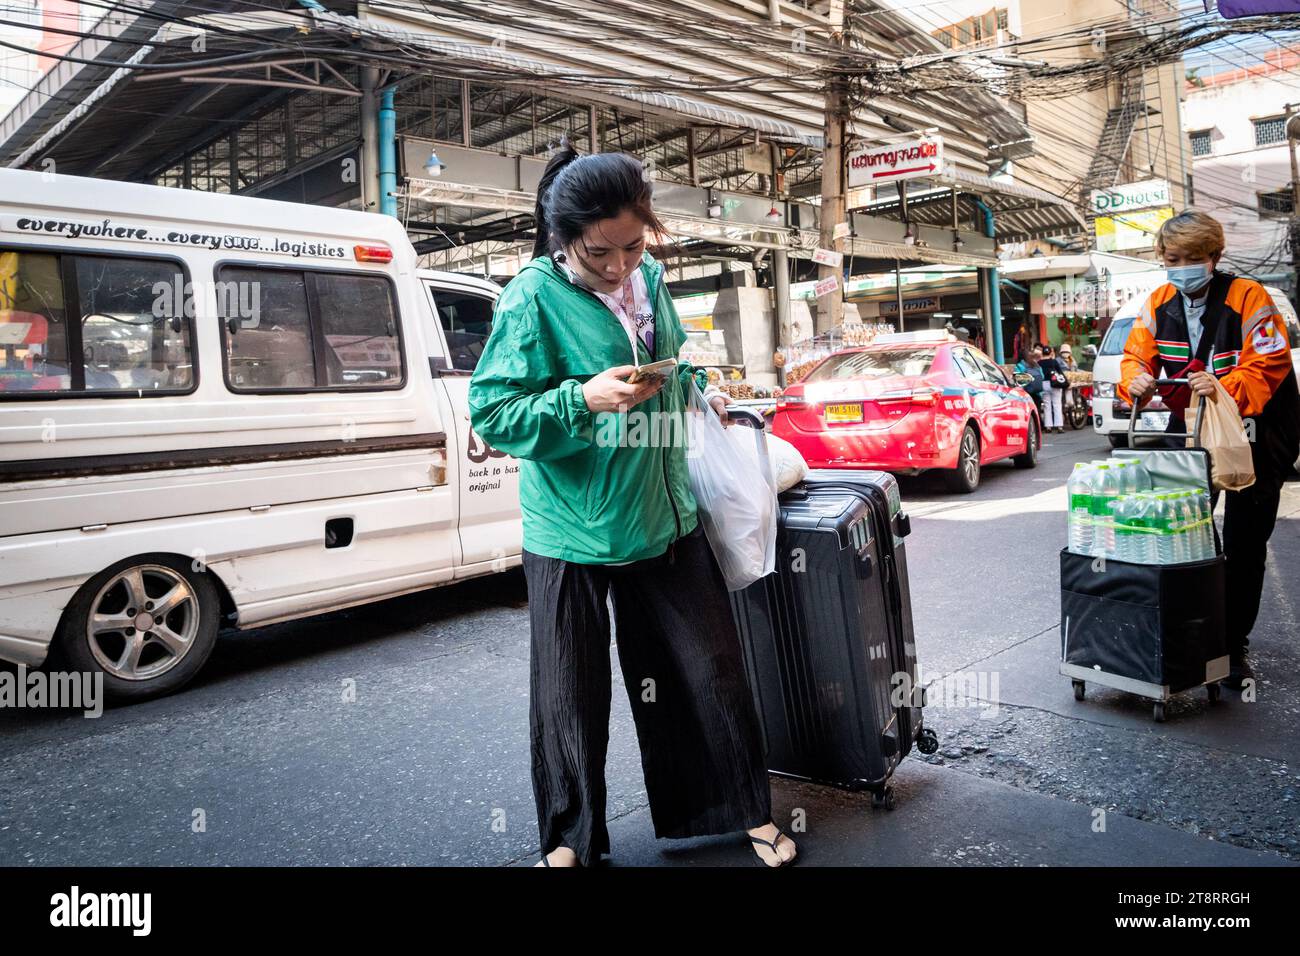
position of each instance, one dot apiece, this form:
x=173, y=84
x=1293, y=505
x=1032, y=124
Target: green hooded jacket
x=601, y=488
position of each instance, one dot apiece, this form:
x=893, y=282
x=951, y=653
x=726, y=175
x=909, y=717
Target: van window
x=291, y=329
x=1116, y=336
x=467, y=322
x=94, y=324
x=360, y=330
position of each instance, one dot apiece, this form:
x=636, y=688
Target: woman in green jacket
x=608, y=511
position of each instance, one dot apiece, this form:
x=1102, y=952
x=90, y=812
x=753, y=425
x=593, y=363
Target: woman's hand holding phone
x=608, y=392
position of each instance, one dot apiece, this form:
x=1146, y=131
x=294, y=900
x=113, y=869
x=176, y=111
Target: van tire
x=196, y=613
x=1118, y=439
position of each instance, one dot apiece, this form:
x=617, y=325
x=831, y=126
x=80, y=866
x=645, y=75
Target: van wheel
x=147, y=624
x=1118, y=439
x=965, y=478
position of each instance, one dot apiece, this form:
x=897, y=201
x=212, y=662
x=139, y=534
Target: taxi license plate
x=850, y=412
x=1155, y=421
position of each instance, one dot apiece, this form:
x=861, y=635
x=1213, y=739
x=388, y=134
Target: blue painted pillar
x=387, y=153
x=995, y=291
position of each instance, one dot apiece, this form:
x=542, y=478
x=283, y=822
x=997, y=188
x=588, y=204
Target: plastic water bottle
x=1142, y=476
x=1122, y=513
x=1129, y=480
x=1079, y=516
x=1144, y=542
x=1184, y=518
x=1105, y=488
x=1207, y=529
x=1202, y=533
x=1165, y=520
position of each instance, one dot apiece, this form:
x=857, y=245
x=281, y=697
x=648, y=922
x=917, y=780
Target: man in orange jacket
x=1201, y=325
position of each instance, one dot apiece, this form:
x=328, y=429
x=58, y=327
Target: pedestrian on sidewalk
x=1205, y=324
x=1029, y=365
x=1054, y=386
x=606, y=519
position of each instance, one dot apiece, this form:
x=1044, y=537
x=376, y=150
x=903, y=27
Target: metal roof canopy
x=123, y=124
x=1019, y=212
x=418, y=197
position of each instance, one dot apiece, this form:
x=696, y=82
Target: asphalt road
x=266, y=760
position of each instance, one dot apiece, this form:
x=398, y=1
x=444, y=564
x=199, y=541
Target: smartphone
x=661, y=369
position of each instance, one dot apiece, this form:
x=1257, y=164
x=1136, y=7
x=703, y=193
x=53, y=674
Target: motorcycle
x=1078, y=405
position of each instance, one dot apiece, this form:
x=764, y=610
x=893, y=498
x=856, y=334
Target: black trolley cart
x=1154, y=630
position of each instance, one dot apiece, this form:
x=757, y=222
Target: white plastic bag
x=788, y=466
x=734, y=493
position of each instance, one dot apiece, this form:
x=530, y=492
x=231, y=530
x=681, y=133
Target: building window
x=1270, y=131
x=1200, y=142
x=1277, y=203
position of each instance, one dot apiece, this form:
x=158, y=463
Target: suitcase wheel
x=883, y=798
x=928, y=741
x=1212, y=690
x=1158, y=711
x=1078, y=689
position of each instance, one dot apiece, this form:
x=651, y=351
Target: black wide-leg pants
x=701, y=744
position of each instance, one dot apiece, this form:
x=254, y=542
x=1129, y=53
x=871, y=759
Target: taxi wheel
x=965, y=478
x=1030, y=458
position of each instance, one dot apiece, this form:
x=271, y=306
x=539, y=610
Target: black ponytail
x=576, y=191
x=562, y=158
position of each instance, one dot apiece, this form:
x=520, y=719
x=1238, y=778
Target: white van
x=1109, y=415
x=217, y=410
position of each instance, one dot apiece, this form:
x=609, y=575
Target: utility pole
x=830, y=307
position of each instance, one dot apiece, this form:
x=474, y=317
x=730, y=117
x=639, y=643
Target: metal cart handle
x=1133, y=413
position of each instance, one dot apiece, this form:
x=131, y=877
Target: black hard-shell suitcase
x=827, y=637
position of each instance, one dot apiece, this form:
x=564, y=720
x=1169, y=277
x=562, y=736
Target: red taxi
x=908, y=402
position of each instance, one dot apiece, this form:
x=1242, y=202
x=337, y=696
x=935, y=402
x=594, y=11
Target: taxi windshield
x=874, y=363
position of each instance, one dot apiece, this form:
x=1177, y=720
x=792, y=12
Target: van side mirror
x=232, y=325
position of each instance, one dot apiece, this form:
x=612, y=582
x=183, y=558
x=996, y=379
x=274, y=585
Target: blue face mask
x=1190, y=279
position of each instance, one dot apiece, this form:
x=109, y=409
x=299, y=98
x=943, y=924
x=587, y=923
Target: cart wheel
x=890, y=802
x=928, y=741
x=1212, y=691
x=1158, y=712
x=1078, y=689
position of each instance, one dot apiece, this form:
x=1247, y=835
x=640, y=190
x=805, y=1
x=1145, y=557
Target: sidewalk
x=944, y=818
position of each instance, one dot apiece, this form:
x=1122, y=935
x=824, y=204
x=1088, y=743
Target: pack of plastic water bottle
x=1114, y=512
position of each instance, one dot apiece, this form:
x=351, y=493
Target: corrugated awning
x=1019, y=211
x=513, y=63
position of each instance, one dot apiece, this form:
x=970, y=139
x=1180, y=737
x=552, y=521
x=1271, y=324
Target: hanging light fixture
x=715, y=207
x=774, y=216
x=433, y=165
x=909, y=237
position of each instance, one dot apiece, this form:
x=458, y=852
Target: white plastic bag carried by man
x=731, y=478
